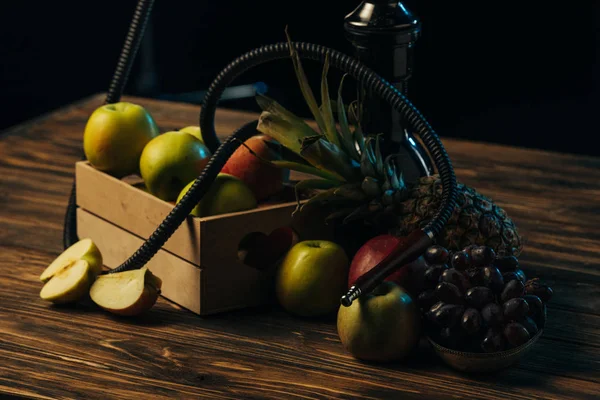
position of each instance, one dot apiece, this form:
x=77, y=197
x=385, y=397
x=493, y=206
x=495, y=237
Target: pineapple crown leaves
x=349, y=163
x=292, y=131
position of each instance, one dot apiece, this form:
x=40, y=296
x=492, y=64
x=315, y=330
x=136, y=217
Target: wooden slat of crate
x=137, y=211
x=181, y=279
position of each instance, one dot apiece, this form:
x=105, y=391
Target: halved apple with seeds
x=85, y=249
x=126, y=293
x=68, y=284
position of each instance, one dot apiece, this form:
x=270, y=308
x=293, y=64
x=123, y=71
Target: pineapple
x=354, y=181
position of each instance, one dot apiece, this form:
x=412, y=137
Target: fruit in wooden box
x=226, y=194
x=254, y=168
x=115, y=136
x=170, y=161
x=194, y=131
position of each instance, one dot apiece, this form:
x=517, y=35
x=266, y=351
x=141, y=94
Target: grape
x=521, y=275
x=479, y=296
x=448, y=293
x=452, y=338
x=447, y=315
x=436, y=255
x=530, y=325
x=492, y=314
x=493, y=341
x=427, y=299
x=471, y=321
x=544, y=292
x=482, y=255
x=433, y=273
x=536, y=307
x=475, y=275
x=509, y=276
x=456, y=278
x=461, y=260
x=492, y=278
x=436, y=306
x=516, y=334
x=515, y=309
x=470, y=248
x=511, y=290
x=507, y=264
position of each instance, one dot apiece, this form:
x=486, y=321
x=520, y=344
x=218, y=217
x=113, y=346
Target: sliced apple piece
x=85, y=249
x=68, y=284
x=126, y=293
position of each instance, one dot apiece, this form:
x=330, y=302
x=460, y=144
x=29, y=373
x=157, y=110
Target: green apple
x=226, y=194
x=194, y=131
x=312, y=277
x=127, y=293
x=69, y=284
x=170, y=161
x=115, y=136
x=84, y=249
x=383, y=325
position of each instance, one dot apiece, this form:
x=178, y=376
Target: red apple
x=373, y=252
x=263, y=178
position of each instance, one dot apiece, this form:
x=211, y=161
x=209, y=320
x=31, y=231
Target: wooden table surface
x=81, y=352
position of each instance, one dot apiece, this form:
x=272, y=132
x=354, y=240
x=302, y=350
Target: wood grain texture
x=81, y=352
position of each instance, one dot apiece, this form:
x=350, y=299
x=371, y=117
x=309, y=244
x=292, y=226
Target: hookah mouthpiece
x=353, y=294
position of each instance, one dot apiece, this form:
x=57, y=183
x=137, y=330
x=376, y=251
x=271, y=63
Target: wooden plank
x=181, y=279
x=264, y=353
x=50, y=351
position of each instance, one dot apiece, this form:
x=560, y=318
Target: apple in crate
x=311, y=278
x=194, y=131
x=170, y=161
x=115, y=136
x=226, y=194
x=262, y=178
x=127, y=293
x=383, y=325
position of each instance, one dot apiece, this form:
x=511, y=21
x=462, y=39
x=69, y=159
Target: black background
x=517, y=72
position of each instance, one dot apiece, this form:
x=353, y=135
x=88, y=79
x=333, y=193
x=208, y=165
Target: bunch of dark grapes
x=474, y=301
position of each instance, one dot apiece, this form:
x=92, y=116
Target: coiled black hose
x=115, y=90
x=361, y=73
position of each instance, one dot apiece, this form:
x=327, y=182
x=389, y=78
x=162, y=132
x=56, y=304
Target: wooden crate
x=199, y=264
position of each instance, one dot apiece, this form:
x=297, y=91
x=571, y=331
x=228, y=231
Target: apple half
x=69, y=284
x=84, y=249
x=127, y=293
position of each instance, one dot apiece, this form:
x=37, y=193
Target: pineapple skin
x=476, y=220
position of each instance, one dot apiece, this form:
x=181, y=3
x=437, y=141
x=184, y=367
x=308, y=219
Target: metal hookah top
x=383, y=34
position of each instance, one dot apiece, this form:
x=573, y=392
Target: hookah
x=360, y=26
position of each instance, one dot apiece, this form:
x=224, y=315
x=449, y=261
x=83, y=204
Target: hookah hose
x=222, y=151
x=117, y=84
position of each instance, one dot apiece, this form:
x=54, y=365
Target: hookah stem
x=119, y=79
x=222, y=152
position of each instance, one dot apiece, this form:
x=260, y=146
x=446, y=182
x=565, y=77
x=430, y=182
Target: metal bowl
x=484, y=362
